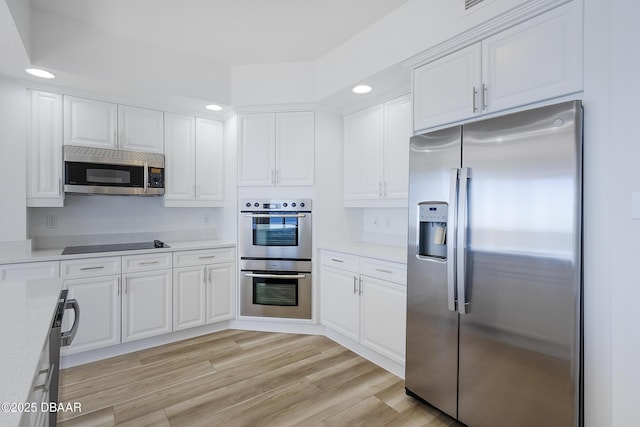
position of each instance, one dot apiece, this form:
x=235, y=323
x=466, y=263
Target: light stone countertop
x=371, y=250
x=56, y=254
x=26, y=318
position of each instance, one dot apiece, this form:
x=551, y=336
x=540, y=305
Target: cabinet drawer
x=384, y=270
x=133, y=263
x=203, y=256
x=340, y=260
x=89, y=267
x=29, y=270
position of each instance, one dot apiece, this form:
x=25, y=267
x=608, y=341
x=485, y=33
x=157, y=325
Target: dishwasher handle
x=67, y=337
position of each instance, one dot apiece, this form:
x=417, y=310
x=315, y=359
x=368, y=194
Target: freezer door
x=432, y=328
x=520, y=338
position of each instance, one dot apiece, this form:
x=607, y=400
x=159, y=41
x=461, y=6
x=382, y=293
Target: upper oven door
x=275, y=235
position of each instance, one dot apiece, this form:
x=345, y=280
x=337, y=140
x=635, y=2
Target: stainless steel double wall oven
x=275, y=258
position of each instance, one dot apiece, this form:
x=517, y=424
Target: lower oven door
x=283, y=294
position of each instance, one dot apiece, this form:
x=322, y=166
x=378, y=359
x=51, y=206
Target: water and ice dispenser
x=432, y=230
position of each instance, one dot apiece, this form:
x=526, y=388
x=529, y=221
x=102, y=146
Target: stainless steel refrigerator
x=494, y=320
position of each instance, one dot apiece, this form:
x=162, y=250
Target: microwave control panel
x=156, y=177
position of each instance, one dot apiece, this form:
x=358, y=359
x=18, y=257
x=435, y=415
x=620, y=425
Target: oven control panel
x=276, y=205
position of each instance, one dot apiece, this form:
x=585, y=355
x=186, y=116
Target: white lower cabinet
x=99, y=300
x=146, y=304
x=204, y=287
x=364, y=299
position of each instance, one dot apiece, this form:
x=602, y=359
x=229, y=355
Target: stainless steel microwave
x=90, y=170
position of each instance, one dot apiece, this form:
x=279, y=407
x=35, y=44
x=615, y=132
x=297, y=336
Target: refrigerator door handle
x=461, y=247
x=451, y=241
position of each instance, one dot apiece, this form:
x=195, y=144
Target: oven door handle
x=276, y=276
x=275, y=215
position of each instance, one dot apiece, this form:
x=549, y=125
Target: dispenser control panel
x=433, y=213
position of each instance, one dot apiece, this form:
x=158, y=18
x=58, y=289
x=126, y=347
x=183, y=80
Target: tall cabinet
x=44, y=149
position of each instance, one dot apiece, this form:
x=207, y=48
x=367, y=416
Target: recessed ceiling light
x=361, y=89
x=40, y=73
x=213, y=107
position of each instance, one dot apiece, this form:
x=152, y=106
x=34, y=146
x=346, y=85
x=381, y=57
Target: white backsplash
x=114, y=219
x=386, y=226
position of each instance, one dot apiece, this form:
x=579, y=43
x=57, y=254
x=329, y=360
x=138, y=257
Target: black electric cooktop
x=73, y=250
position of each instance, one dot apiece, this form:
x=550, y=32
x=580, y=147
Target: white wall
x=13, y=175
x=624, y=146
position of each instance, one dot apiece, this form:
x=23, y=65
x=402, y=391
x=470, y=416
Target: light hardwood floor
x=241, y=378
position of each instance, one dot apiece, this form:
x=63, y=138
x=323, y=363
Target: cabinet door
x=146, y=304
x=397, y=132
x=140, y=129
x=295, y=142
x=188, y=297
x=447, y=89
x=99, y=300
x=180, y=157
x=220, y=293
x=383, y=306
x=44, y=150
x=256, y=150
x=533, y=61
x=209, y=160
x=90, y=123
x=362, y=154
x=340, y=301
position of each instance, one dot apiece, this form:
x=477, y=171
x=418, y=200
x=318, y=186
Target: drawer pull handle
x=206, y=257
x=384, y=271
x=149, y=262
x=336, y=260
x=92, y=268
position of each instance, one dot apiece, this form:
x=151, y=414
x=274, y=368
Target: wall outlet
x=376, y=221
x=52, y=221
x=387, y=222
x=207, y=219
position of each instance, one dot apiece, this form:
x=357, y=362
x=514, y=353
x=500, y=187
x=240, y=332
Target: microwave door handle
x=275, y=215
x=146, y=176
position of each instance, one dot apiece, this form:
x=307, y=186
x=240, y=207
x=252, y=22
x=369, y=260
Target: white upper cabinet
x=44, y=150
x=92, y=123
x=397, y=133
x=180, y=149
x=447, y=89
x=295, y=140
x=209, y=160
x=363, y=136
x=539, y=59
x=276, y=148
x=376, y=154
x=536, y=60
x=194, y=161
x=140, y=129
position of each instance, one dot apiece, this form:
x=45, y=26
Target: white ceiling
x=231, y=32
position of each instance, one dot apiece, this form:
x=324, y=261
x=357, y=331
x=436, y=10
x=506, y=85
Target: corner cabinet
x=194, y=161
x=100, y=124
x=376, y=154
x=204, y=287
x=276, y=149
x=533, y=61
x=364, y=300
x=44, y=150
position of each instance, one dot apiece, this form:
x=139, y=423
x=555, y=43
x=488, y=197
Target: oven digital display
x=271, y=205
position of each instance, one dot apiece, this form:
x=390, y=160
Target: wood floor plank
x=242, y=378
